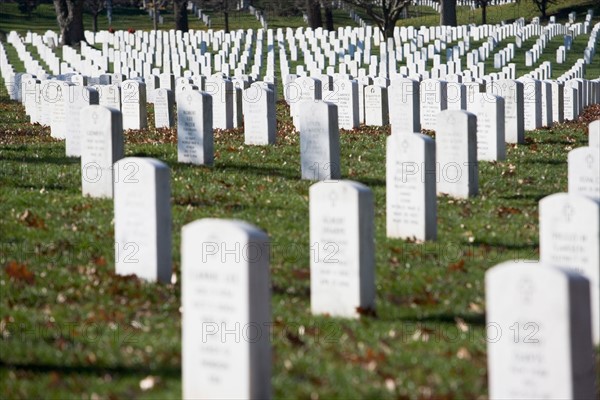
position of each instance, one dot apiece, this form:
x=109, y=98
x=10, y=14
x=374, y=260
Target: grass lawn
x=44, y=18
x=592, y=71
x=427, y=16
x=71, y=328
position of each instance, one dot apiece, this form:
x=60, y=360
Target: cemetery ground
x=70, y=326
x=44, y=18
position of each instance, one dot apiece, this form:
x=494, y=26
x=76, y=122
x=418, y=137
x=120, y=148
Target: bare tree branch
x=385, y=13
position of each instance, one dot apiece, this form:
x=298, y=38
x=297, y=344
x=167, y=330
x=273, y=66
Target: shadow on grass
x=6, y=100
x=472, y=319
x=94, y=370
x=192, y=202
x=558, y=141
x=45, y=186
x=260, y=171
x=303, y=292
x=499, y=246
x=433, y=318
x=523, y=196
x=44, y=160
x=581, y=10
x=38, y=160
x=543, y=161
x=370, y=181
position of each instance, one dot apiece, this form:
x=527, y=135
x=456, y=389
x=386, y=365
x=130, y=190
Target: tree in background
x=542, y=5
x=313, y=12
x=280, y=8
x=483, y=5
x=385, y=13
x=69, y=15
x=328, y=16
x=219, y=6
x=94, y=7
x=448, y=12
x=180, y=14
x=156, y=6
x=224, y=6
x=27, y=6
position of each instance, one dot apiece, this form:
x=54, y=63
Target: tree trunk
x=95, y=22
x=181, y=17
x=448, y=12
x=69, y=15
x=388, y=30
x=328, y=18
x=109, y=12
x=313, y=10
x=225, y=8
x=544, y=11
x=155, y=15
x=484, y=13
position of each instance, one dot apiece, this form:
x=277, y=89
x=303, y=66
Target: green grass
x=592, y=71
x=124, y=18
x=427, y=16
x=44, y=18
x=237, y=20
x=76, y=329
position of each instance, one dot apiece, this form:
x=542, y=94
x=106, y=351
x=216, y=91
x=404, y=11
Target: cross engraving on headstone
x=404, y=146
x=589, y=160
x=333, y=197
x=526, y=289
x=568, y=212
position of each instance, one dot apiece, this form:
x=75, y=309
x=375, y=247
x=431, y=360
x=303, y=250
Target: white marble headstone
x=142, y=196
x=110, y=96
x=584, y=172
x=456, y=96
x=194, y=128
x=532, y=103
x=133, y=104
x=538, y=333
x=59, y=109
x=434, y=99
x=164, y=102
x=376, y=105
x=512, y=92
x=404, y=105
x=319, y=140
x=456, y=153
x=221, y=91
x=303, y=88
x=101, y=146
x=570, y=238
x=411, y=202
x=78, y=98
x=226, y=316
x=489, y=109
x=594, y=134
x=347, y=103
x=259, y=115
x=342, y=265
x=571, y=101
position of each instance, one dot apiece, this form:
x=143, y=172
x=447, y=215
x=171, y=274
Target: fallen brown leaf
x=19, y=272
x=32, y=220
x=457, y=266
